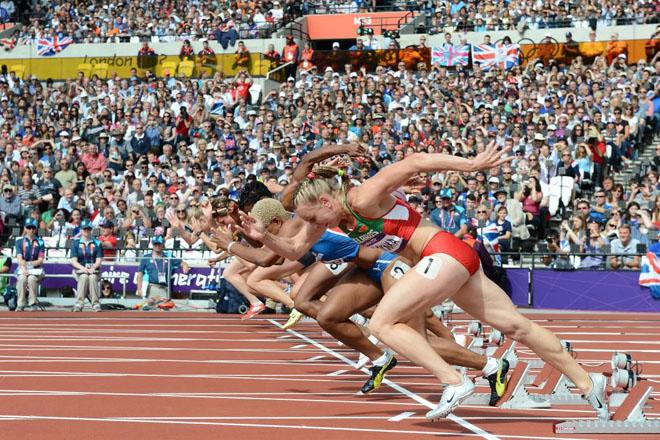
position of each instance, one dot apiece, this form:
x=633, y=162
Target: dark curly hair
x=252, y=192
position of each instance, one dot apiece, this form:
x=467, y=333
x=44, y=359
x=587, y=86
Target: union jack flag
x=449, y=56
x=488, y=235
x=502, y=56
x=8, y=43
x=50, y=46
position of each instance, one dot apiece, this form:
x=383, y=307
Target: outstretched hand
x=491, y=157
x=252, y=228
x=222, y=236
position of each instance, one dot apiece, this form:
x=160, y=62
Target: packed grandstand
x=194, y=100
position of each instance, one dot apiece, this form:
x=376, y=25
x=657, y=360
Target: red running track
x=158, y=375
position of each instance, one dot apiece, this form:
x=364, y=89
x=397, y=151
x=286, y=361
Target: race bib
x=336, y=268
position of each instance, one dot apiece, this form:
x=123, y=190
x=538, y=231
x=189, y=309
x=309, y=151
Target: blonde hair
x=323, y=180
x=267, y=210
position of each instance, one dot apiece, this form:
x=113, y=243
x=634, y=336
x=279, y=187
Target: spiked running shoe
x=498, y=382
x=377, y=374
x=597, y=396
x=254, y=310
x=452, y=396
x=294, y=318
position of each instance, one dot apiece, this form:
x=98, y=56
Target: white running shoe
x=597, y=397
x=452, y=396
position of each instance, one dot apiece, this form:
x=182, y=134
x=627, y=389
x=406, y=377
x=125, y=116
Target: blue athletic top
x=334, y=246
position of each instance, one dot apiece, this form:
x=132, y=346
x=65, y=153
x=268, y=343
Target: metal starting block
x=629, y=418
x=516, y=396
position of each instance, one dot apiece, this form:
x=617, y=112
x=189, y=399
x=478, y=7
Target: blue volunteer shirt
x=156, y=269
x=86, y=252
x=30, y=250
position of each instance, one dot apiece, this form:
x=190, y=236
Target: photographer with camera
x=593, y=243
x=560, y=247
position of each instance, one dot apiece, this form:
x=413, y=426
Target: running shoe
x=498, y=382
x=377, y=374
x=294, y=318
x=452, y=396
x=254, y=309
x=597, y=396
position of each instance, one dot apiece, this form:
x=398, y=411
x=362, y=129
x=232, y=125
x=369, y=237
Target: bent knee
x=518, y=328
x=328, y=318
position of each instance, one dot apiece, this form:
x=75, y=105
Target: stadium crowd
x=129, y=154
x=158, y=20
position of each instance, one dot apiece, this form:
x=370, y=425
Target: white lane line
x=78, y=394
x=402, y=416
x=465, y=424
x=337, y=373
x=263, y=425
x=315, y=358
x=295, y=347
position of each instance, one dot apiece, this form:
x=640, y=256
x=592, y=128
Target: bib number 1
x=429, y=267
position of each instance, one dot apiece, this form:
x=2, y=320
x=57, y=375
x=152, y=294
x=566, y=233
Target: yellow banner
x=104, y=67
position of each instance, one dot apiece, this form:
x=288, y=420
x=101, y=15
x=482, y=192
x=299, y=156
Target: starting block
x=516, y=396
x=629, y=418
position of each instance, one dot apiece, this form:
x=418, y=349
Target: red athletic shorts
x=446, y=243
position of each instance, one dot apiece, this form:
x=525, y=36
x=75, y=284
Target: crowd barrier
x=593, y=290
x=541, y=288
x=59, y=276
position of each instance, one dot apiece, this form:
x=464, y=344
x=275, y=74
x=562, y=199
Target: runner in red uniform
x=445, y=268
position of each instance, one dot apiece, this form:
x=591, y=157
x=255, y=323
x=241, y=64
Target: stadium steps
x=645, y=158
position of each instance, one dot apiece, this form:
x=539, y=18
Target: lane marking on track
x=463, y=423
x=295, y=347
x=263, y=425
x=315, y=358
x=402, y=416
x=337, y=373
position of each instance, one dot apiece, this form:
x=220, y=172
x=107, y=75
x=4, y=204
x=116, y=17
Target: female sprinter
x=444, y=268
x=358, y=290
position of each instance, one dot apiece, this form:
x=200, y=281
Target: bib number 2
x=336, y=268
x=429, y=267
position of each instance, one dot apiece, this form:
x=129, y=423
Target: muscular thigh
x=486, y=301
x=356, y=291
x=319, y=279
x=431, y=281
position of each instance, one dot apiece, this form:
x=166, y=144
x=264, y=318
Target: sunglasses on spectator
x=179, y=211
x=612, y=225
x=481, y=212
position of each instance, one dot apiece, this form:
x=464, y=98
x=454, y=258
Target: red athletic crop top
x=391, y=232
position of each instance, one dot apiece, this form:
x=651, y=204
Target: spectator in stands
x=290, y=54
x=241, y=57
x=448, y=216
x=30, y=252
x=206, y=56
x=593, y=243
x=108, y=240
x=86, y=257
x=186, y=51
x=10, y=203
x=146, y=51
x=156, y=269
x=65, y=175
x=28, y=193
x=624, y=249
x=560, y=247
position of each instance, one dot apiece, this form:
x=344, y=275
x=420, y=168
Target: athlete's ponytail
x=323, y=180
